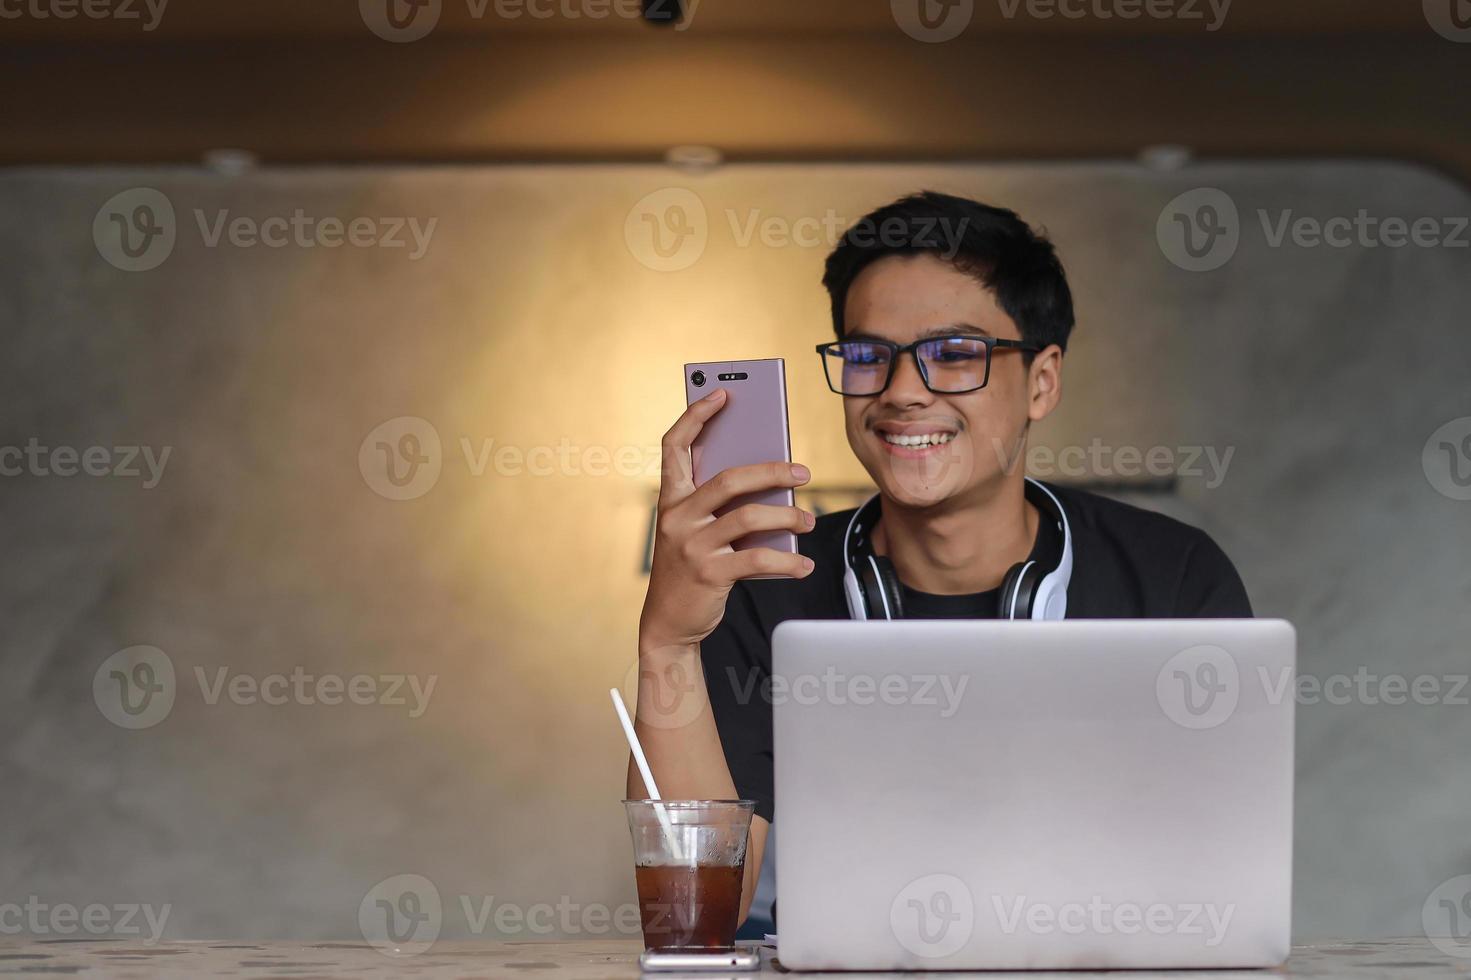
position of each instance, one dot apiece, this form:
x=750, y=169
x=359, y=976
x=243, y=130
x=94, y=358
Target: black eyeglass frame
x=897, y=351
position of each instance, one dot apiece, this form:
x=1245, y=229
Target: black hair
x=991, y=244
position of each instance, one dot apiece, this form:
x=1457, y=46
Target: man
x=952, y=318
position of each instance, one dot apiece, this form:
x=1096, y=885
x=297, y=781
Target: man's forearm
x=677, y=729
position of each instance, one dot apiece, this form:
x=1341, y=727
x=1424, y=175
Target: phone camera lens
x=698, y=378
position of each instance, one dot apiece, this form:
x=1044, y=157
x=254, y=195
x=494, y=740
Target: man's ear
x=1044, y=383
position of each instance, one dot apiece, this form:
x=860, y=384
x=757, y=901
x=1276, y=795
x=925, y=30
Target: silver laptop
x=1091, y=794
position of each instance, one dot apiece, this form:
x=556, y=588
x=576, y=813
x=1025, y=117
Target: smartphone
x=750, y=428
x=739, y=959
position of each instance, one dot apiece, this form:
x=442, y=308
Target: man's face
x=976, y=439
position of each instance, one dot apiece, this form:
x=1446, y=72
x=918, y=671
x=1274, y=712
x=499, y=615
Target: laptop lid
x=1085, y=794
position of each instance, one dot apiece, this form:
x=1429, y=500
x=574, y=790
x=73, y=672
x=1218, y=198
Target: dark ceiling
x=192, y=20
x=307, y=81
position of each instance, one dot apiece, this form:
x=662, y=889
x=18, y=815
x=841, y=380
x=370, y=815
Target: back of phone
x=750, y=428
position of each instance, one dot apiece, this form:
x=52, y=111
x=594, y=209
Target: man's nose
x=907, y=387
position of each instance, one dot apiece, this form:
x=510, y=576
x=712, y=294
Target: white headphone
x=1029, y=590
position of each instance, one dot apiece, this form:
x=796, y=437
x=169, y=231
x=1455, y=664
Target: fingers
x=738, y=480
x=677, y=481
x=759, y=561
x=753, y=517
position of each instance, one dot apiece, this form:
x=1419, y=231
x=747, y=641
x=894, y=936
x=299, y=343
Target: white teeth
x=928, y=439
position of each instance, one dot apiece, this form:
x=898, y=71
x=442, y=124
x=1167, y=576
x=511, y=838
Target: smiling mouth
x=917, y=441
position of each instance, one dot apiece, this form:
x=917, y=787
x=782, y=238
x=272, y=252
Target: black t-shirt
x=976, y=605
x=1128, y=563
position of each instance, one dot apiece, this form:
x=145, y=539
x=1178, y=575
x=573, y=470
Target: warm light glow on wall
x=531, y=357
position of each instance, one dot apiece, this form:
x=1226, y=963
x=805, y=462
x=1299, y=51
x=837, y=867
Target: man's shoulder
x=1146, y=563
x=1094, y=514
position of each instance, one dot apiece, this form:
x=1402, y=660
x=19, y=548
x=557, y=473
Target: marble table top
x=603, y=960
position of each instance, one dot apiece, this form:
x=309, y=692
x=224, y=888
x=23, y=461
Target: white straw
x=642, y=761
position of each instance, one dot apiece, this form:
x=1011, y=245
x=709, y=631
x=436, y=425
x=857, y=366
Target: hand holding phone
x=695, y=562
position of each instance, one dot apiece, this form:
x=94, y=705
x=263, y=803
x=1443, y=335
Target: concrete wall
x=539, y=314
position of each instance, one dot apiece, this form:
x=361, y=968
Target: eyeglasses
x=949, y=365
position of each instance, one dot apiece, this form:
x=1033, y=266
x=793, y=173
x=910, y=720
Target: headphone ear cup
x=881, y=586
x=1019, y=590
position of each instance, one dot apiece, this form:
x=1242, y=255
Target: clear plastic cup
x=689, y=872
